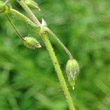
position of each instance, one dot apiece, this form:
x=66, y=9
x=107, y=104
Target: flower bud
x=72, y=70
x=31, y=42
x=2, y=7
x=33, y=5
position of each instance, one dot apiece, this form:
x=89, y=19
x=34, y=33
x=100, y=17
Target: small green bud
x=32, y=4
x=72, y=70
x=8, y=7
x=2, y=7
x=31, y=42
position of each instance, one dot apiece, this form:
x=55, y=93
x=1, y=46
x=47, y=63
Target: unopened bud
x=31, y=42
x=2, y=7
x=32, y=4
x=72, y=70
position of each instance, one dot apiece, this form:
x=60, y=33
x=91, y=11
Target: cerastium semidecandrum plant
x=72, y=67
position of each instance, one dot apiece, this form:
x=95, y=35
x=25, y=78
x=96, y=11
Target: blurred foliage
x=27, y=77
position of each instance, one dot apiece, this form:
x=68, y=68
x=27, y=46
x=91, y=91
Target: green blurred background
x=28, y=80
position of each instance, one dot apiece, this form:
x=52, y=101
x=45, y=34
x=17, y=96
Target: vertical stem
x=58, y=70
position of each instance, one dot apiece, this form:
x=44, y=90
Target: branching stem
x=36, y=21
x=52, y=55
x=7, y=1
x=26, y=8
x=58, y=70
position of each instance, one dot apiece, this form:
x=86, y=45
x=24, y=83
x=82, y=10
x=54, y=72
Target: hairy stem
x=52, y=55
x=58, y=70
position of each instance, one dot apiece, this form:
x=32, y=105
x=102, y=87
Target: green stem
x=58, y=70
x=27, y=9
x=52, y=55
x=6, y=1
x=20, y=36
x=64, y=47
x=20, y=15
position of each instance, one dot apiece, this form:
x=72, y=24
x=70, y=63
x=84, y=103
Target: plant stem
x=64, y=47
x=58, y=70
x=17, y=13
x=26, y=8
x=6, y=1
x=20, y=15
x=52, y=55
x=20, y=36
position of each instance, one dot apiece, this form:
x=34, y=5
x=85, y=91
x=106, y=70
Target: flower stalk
x=52, y=55
x=58, y=70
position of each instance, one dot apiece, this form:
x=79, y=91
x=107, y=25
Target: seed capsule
x=72, y=70
x=33, y=5
x=31, y=42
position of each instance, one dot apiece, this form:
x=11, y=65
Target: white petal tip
x=73, y=88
